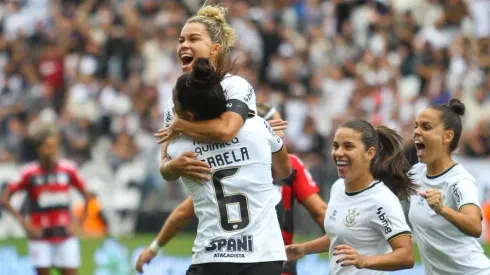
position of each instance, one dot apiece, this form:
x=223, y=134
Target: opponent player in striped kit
x=51, y=226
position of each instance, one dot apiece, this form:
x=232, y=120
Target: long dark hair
x=200, y=92
x=389, y=164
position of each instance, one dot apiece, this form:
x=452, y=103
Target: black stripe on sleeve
x=475, y=205
x=239, y=107
x=399, y=235
x=279, y=149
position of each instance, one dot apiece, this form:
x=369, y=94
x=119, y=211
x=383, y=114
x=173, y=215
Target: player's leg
x=41, y=256
x=67, y=256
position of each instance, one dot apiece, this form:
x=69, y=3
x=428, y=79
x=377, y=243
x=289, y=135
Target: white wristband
x=154, y=247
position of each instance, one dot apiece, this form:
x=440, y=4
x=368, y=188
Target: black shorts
x=264, y=268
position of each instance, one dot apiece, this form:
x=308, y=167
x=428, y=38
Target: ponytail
x=391, y=165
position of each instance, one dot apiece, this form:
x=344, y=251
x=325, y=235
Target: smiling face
x=350, y=154
x=195, y=42
x=431, y=139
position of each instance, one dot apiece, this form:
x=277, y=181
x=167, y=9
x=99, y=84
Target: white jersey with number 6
x=443, y=247
x=236, y=208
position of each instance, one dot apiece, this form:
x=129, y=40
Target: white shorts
x=65, y=254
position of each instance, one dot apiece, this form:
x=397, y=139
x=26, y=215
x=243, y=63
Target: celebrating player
x=50, y=227
x=208, y=35
x=446, y=214
x=365, y=224
x=238, y=231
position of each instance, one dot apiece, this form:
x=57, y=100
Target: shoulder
x=231, y=80
x=29, y=168
x=338, y=187
x=460, y=174
x=67, y=165
x=385, y=194
x=418, y=171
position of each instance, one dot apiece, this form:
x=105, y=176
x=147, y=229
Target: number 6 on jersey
x=225, y=200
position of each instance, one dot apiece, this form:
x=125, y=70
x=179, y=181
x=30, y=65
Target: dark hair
x=200, y=91
x=451, y=117
x=389, y=164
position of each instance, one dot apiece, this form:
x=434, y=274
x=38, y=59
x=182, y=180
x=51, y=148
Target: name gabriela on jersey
x=49, y=198
x=236, y=208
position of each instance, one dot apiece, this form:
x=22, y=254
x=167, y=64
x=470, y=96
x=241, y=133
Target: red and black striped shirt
x=49, y=197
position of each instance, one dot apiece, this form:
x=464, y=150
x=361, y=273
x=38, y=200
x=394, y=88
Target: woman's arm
x=222, y=129
x=281, y=166
x=400, y=258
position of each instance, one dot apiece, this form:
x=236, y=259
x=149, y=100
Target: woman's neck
x=360, y=183
x=439, y=165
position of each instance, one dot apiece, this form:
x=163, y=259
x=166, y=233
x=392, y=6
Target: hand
x=32, y=231
x=145, y=258
x=295, y=251
x=186, y=165
x=434, y=199
x=165, y=134
x=350, y=257
x=75, y=228
x=278, y=124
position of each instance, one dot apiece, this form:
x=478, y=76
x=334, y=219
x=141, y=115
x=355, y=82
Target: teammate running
x=446, y=214
x=365, y=224
x=50, y=227
x=238, y=231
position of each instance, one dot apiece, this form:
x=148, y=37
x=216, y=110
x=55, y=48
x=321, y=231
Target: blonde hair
x=220, y=32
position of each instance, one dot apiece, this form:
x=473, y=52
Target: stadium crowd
x=103, y=70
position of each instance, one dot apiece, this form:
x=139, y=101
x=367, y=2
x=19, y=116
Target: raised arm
x=467, y=218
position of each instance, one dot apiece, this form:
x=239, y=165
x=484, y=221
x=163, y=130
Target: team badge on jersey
x=350, y=219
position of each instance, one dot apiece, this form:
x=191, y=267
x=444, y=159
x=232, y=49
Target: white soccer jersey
x=235, y=87
x=445, y=249
x=366, y=220
x=236, y=209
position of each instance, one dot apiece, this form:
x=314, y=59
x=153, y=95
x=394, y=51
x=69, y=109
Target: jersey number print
x=224, y=201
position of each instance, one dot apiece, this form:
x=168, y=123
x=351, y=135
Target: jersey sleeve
x=464, y=193
x=303, y=185
x=168, y=115
x=275, y=141
x=240, y=95
x=21, y=183
x=389, y=219
x=75, y=178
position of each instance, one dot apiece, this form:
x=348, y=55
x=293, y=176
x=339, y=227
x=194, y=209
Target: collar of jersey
x=374, y=183
x=441, y=174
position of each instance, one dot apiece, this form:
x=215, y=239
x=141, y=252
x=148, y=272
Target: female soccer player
x=298, y=186
x=238, y=231
x=208, y=35
x=446, y=214
x=50, y=228
x=365, y=224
